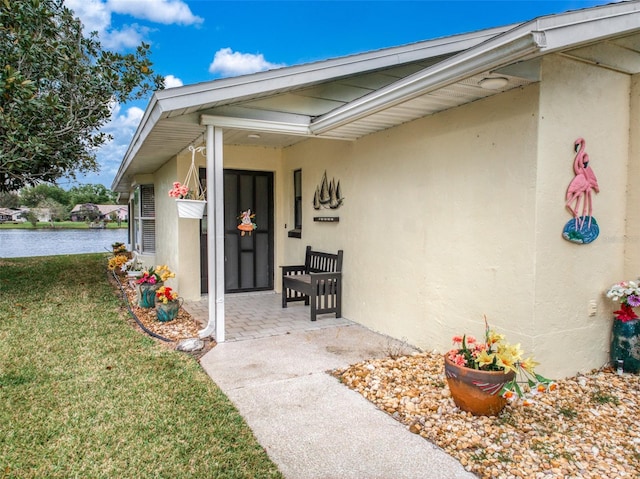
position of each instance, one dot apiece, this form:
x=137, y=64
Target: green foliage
x=57, y=88
x=602, y=397
x=96, y=194
x=31, y=217
x=57, y=211
x=36, y=195
x=9, y=199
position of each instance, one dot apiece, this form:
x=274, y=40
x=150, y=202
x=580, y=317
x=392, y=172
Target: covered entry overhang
x=348, y=98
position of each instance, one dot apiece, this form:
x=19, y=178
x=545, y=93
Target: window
x=297, y=205
x=144, y=219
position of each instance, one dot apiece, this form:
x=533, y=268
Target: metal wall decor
x=583, y=228
x=328, y=194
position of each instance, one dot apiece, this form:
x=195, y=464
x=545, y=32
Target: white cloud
x=226, y=62
x=121, y=127
x=93, y=13
x=159, y=11
x=96, y=16
x=171, y=81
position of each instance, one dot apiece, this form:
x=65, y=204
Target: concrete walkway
x=311, y=426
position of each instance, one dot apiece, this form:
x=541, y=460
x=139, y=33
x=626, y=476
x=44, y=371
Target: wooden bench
x=318, y=282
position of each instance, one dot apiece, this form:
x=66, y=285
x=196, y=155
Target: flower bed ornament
x=167, y=304
x=150, y=281
x=484, y=376
x=191, y=195
x=625, y=333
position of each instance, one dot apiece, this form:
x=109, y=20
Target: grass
x=78, y=225
x=83, y=394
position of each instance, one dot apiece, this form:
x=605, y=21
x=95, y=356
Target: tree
x=34, y=196
x=31, y=217
x=9, y=200
x=57, y=211
x=91, y=193
x=57, y=89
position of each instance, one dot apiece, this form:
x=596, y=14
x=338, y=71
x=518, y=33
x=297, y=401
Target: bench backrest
x=318, y=262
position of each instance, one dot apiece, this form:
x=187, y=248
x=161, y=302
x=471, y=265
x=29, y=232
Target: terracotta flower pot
x=475, y=391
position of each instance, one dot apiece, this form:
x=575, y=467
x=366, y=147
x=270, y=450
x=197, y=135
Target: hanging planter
x=193, y=209
x=191, y=195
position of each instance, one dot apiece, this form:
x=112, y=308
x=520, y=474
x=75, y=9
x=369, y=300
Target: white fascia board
x=575, y=35
x=476, y=60
x=250, y=124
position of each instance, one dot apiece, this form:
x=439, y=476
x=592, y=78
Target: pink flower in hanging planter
x=179, y=191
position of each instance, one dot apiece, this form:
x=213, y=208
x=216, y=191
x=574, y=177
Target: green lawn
x=82, y=394
x=57, y=224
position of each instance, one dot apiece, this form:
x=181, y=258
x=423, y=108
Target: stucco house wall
x=438, y=219
x=632, y=212
x=579, y=100
x=459, y=215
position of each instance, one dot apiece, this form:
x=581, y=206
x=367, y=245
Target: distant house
x=43, y=214
x=453, y=158
x=81, y=212
x=11, y=214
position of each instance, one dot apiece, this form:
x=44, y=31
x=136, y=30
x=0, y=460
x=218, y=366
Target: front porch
x=261, y=315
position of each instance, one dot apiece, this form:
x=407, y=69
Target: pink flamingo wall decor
x=583, y=228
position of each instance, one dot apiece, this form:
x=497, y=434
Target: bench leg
x=284, y=297
x=313, y=306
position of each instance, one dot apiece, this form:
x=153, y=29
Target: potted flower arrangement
x=116, y=262
x=149, y=282
x=625, y=335
x=167, y=304
x=190, y=196
x=118, y=247
x=484, y=375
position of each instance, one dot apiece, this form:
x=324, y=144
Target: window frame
x=144, y=222
x=297, y=204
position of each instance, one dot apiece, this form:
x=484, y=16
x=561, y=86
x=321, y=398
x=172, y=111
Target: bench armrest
x=289, y=270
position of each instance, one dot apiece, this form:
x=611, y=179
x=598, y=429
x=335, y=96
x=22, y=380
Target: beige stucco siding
x=177, y=240
x=632, y=239
x=579, y=100
x=438, y=220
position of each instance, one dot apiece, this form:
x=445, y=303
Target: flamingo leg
x=588, y=201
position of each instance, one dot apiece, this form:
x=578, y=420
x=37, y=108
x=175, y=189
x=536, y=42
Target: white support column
x=215, y=234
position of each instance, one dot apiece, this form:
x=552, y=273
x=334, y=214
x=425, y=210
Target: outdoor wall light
x=493, y=83
x=253, y=136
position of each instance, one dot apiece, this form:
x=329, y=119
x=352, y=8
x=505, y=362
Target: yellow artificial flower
x=529, y=365
x=484, y=358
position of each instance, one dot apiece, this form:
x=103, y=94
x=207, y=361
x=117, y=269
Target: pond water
x=15, y=243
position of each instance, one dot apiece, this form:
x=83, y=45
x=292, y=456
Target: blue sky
x=195, y=41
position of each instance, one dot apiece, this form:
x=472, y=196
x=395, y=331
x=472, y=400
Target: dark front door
x=248, y=256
